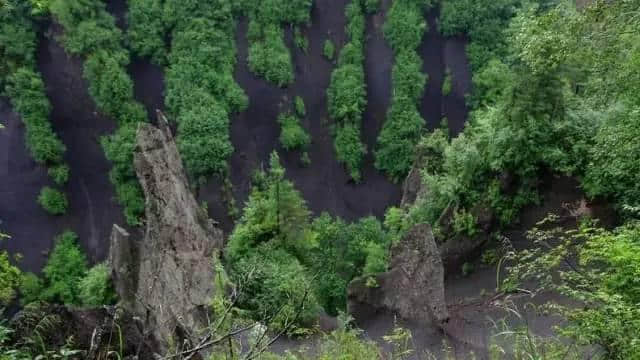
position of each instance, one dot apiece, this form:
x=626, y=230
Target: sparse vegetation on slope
x=347, y=93
x=401, y=132
x=20, y=81
x=90, y=31
x=268, y=54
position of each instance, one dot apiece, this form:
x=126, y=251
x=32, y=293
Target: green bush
x=406, y=24
x=347, y=95
x=301, y=41
x=275, y=211
x=402, y=130
x=53, y=201
x=301, y=109
x=10, y=277
x=119, y=149
x=275, y=284
x=18, y=41
x=329, y=49
x=66, y=266
x=95, y=287
x=268, y=54
x=31, y=287
x=203, y=138
x=26, y=90
x=59, y=174
x=447, y=84
x=146, y=30
x=202, y=94
x=270, y=57
x=292, y=134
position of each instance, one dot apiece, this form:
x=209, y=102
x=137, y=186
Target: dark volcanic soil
x=93, y=209
x=324, y=184
x=438, y=54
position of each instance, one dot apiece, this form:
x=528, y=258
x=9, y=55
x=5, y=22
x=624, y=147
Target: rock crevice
x=167, y=278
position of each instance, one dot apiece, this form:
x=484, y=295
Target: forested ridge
x=554, y=95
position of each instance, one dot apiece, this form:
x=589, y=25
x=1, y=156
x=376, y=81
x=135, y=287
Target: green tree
x=275, y=212
x=95, y=287
x=53, y=201
x=66, y=266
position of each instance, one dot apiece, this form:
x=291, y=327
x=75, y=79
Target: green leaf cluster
x=404, y=29
x=66, y=278
x=269, y=56
x=201, y=93
x=276, y=241
x=347, y=93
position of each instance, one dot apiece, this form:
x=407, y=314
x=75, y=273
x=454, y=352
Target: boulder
x=167, y=278
x=414, y=285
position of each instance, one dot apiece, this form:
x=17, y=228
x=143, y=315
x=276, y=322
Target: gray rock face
x=413, y=287
x=168, y=278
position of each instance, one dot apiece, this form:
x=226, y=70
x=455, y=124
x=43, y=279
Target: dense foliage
x=404, y=29
x=292, y=135
x=9, y=274
x=66, y=278
x=53, y=201
x=268, y=54
x=201, y=93
x=146, y=30
x=277, y=253
x=90, y=31
x=347, y=92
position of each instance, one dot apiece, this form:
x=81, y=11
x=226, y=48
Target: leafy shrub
x=301, y=109
x=268, y=54
x=9, y=279
x=447, y=83
x=613, y=169
x=301, y=41
x=292, y=134
x=329, y=49
x=343, y=252
x=347, y=98
x=270, y=57
x=276, y=284
x=464, y=223
x=401, y=132
x=146, y=29
x=31, y=287
x=119, y=149
x=95, y=287
x=59, y=174
x=26, y=90
x=18, y=40
x=406, y=24
x=66, y=266
x=203, y=138
x=275, y=211
x=202, y=94
x=53, y=201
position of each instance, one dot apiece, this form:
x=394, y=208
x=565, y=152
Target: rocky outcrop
x=413, y=287
x=167, y=278
x=97, y=332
